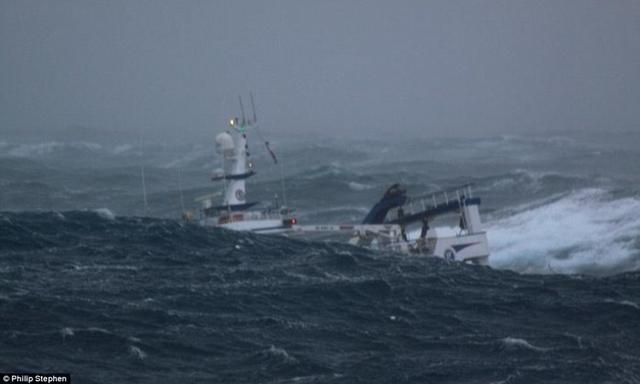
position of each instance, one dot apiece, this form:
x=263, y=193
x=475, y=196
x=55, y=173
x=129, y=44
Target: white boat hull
x=269, y=226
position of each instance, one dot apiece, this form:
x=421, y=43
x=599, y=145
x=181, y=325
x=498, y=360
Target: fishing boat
x=398, y=222
x=235, y=211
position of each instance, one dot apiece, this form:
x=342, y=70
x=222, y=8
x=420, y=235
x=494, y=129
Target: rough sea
x=94, y=283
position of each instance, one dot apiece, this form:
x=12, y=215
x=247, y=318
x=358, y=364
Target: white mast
x=235, y=157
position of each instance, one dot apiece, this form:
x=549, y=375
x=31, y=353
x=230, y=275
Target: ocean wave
x=334, y=168
x=137, y=352
x=514, y=342
x=200, y=154
x=66, y=332
x=627, y=303
x=560, y=141
x=358, y=186
x=281, y=353
x=105, y=213
x=532, y=181
x=122, y=148
x=48, y=148
x=586, y=231
x=240, y=307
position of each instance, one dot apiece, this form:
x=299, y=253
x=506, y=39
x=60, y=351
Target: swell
x=82, y=288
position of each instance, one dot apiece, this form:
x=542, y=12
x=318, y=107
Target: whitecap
x=584, y=231
x=101, y=267
x=137, y=352
x=198, y=153
x=122, y=148
x=105, y=213
x=358, y=186
x=66, y=332
x=44, y=149
x=280, y=352
x=514, y=342
x=627, y=303
x=32, y=150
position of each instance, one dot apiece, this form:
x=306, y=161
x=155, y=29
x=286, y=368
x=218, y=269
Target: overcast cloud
x=364, y=67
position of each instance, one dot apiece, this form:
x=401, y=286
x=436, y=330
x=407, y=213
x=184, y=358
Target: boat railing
x=445, y=197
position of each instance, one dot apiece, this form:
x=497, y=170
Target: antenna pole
x=180, y=189
x=144, y=183
x=242, y=109
x=144, y=190
x=284, y=189
x=253, y=108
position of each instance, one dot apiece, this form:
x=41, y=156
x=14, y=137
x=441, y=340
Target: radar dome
x=224, y=144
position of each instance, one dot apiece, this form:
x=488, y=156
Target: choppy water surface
x=90, y=287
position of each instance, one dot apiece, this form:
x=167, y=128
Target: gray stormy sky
x=364, y=67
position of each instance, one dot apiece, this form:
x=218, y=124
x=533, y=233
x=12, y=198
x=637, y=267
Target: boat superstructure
x=401, y=223
x=235, y=212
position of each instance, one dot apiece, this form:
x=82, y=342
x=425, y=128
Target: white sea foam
x=358, y=186
x=122, y=148
x=515, y=343
x=624, y=302
x=333, y=169
x=280, y=352
x=66, y=332
x=629, y=303
x=585, y=231
x=29, y=150
x=105, y=213
x=96, y=267
x=531, y=179
x=43, y=149
x=137, y=352
x=201, y=153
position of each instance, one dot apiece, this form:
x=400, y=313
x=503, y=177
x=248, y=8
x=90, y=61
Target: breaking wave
x=514, y=342
x=586, y=231
x=105, y=213
x=358, y=186
x=44, y=149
